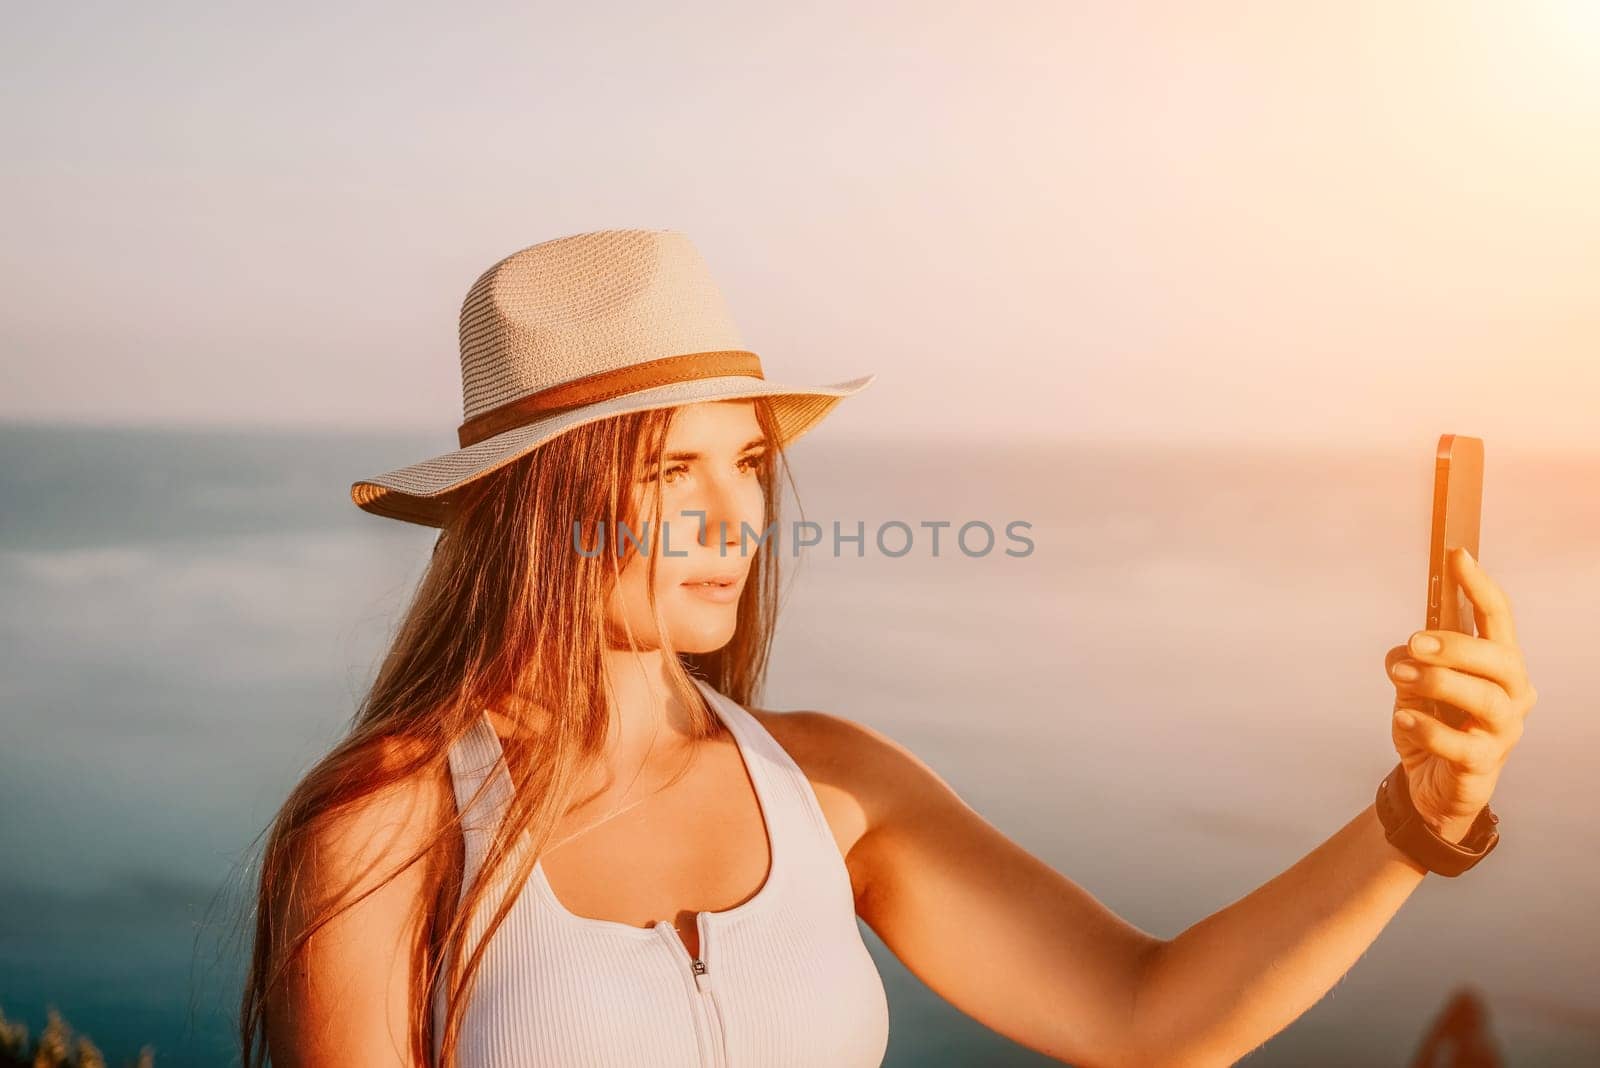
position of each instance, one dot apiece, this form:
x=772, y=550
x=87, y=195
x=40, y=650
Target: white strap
x=476, y=758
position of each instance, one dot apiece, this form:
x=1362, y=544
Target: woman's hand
x=1452, y=772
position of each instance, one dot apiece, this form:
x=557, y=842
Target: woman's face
x=711, y=464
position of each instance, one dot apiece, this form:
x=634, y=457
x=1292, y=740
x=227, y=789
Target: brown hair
x=506, y=616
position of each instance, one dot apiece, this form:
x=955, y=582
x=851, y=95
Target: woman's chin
x=701, y=631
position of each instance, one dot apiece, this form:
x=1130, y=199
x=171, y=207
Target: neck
x=648, y=721
x=647, y=715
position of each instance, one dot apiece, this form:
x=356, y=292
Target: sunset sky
x=1325, y=221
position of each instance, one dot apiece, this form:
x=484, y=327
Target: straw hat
x=579, y=328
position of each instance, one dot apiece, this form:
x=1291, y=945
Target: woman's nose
x=726, y=510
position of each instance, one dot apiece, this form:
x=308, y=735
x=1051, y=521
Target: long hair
x=507, y=616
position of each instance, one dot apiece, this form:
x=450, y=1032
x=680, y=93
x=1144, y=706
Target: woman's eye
x=664, y=476
x=747, y=464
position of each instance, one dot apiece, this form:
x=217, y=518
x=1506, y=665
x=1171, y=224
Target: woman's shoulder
x=358, y=871
x=831, y=744
x=386, y=824
x=383, y=837
x=819, y=737
x=859, y=774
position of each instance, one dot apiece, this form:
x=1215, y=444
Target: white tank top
x=782, y=979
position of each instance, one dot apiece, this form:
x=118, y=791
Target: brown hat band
x=604, y=385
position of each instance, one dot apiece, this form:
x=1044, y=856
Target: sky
x=1330, y=221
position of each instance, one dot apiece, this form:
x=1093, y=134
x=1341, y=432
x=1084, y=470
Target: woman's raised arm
x=1025, y=951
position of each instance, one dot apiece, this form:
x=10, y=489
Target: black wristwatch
x=1405, y=828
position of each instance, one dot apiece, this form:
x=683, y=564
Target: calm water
x=1178, y=694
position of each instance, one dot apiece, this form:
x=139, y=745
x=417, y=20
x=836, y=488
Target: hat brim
x=420, y=493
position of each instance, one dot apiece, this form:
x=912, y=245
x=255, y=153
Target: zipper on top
x=700, y=973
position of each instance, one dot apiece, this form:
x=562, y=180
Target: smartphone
x=1457, y=509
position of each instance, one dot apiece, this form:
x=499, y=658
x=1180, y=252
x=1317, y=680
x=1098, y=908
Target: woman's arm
x=1241, y=975
x=1025, y=951
x=1028, y=953
x=1238, y=977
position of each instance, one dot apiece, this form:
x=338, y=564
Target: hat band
x=604, y=385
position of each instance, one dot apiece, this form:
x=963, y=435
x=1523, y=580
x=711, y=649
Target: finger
x=1480, y=698
x=1395, y=654
x=1473, y=753
x=1491, y=609
x=1404, y=695
x=1496, y=661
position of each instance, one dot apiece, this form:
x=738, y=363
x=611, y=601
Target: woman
x=560, y=833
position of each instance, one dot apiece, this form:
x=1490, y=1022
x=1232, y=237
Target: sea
x=1160, y=671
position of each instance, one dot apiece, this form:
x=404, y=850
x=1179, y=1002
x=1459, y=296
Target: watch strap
x=1405, y=828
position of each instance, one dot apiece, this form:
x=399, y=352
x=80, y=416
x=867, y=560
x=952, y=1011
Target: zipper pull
x=702, y=980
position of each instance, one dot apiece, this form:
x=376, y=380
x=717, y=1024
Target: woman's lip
x=718, y=594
